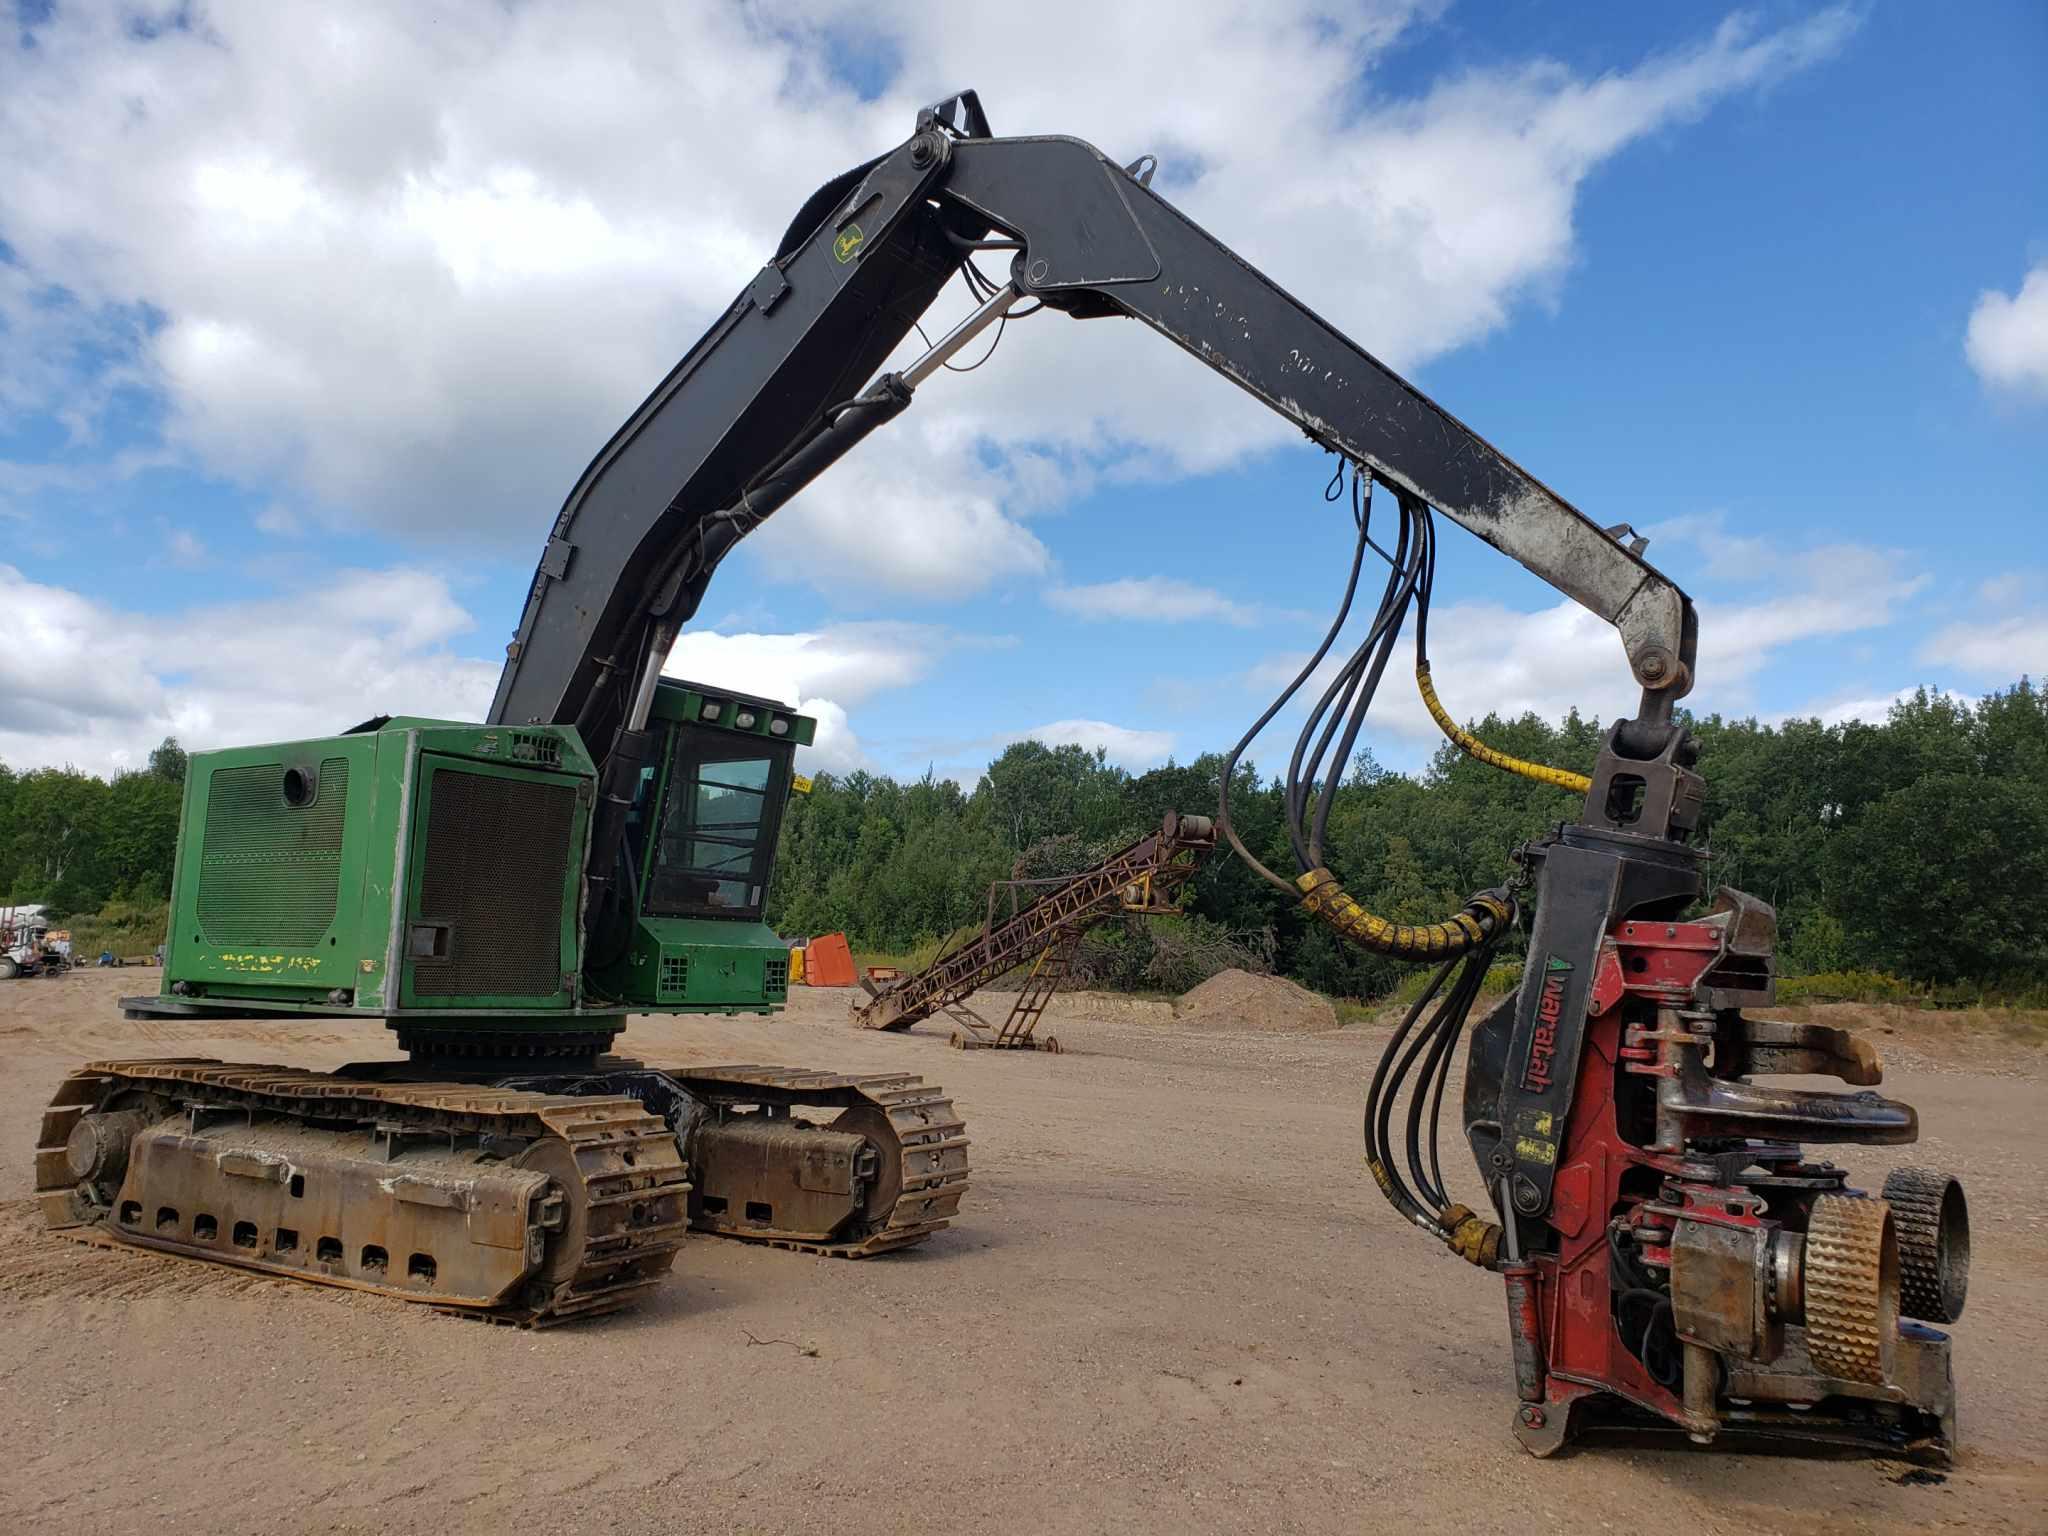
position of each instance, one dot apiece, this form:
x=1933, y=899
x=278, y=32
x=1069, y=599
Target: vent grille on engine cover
x=497, y=857
x=531, y=747
x=270, y=871
x=674, y=985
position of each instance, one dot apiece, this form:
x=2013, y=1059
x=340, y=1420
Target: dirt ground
x=1173, y=1302
x=1239, y=1001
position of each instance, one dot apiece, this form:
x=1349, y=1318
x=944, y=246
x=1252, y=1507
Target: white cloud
x=1160, y=599
x=820, y=672
x=1785, y=596
x=965, y=759
x=396, y=268
x=279, y=521
x=66, y=661
x=1872, y=711
x=1836, y=589
x=2005, y=637
x=2003, y=590
x=2007, y=342
x=50, y=337
x=22, y=485
x=90, y=685
x=400, y=256
x=185, y=549
x=902, y=516
x=1999, y=650
x=850, y=662
x=834, y=747
x=1719, y=552
x=413, y=266
x=1486, y=657
x=1126, y=746
x=1869, y=711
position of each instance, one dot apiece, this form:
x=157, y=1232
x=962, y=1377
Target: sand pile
x=1239, y=1000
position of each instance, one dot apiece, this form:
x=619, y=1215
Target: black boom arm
x=771, y=396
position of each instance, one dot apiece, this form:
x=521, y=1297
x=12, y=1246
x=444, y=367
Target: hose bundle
x=1424, y=1054
x=1416, y=1063
x=1330, y=732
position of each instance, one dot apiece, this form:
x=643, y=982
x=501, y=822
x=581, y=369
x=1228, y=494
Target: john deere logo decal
x=1549, y=1010
x=847, y=243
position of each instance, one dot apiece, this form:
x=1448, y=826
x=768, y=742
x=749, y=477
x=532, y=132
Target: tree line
x=1917, y=847
x=75, y=842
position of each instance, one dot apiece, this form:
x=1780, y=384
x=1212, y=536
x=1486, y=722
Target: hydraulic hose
x=1464, y=943
x=1468, y=1234
x=1324, y=895
x=1493, y=757
x=1337, y=718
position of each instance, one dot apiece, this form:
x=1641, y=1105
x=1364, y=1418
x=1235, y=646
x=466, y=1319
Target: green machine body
x=430, y=873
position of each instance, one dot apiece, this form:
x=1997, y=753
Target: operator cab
x=700, y=843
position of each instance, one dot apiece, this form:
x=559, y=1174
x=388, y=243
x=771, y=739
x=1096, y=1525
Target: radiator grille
x=270, y=872
x=497, y=857
x=774, y=978
x=674, y=983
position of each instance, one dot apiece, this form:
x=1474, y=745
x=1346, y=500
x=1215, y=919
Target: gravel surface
x=1173, y=1302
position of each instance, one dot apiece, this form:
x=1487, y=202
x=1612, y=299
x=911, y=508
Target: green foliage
x=1501, y=978
x=2007, y=992
x=1846, y=987
x=1946, y=878
x=169, y=761
x=889, y=864
x=73, y=841
x=129, y=929
x=1915, y=851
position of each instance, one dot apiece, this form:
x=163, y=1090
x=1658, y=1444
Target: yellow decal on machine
x=269, y=965
x=1529, y=1149
x=799, y=784
x=846, y=242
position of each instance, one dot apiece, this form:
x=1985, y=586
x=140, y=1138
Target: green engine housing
x=431, y=873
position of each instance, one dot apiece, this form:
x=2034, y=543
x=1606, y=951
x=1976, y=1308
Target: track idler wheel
x=1933, y=1225
x=96, y=1151
x=886, y=1188
x=1852, y=1289
x=569, y=1216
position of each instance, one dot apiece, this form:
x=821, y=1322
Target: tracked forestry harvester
x=502, y=894
x=432, y=875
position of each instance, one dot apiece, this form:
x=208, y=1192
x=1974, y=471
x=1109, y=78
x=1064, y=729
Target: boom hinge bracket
x=768, y=288
x=554, y=560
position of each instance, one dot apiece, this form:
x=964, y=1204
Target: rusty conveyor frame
x=1139, y=879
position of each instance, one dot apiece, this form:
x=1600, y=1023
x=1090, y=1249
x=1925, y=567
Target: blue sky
x=304, y=333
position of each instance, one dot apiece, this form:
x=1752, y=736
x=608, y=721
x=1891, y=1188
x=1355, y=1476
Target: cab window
x=717, y=831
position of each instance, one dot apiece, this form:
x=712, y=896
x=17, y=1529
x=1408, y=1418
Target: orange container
x=828, y=962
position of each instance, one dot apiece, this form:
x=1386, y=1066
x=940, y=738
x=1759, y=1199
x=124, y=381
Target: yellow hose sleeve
x=1472, y=746
x=1471, y=1238
x=1325, y=896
